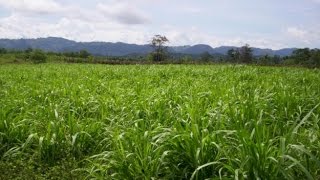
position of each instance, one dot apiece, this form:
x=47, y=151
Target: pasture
x=86, y=121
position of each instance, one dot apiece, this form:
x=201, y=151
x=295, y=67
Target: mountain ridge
x=58, y=44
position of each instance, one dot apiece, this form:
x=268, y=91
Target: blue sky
x=261, y=23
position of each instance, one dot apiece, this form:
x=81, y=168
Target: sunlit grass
x=159, y=122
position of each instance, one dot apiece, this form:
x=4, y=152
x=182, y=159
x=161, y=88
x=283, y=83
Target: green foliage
x=233, y=55
x=149, y=57
x=84, y=54
x=289, y=62
x=315, y=57
x=28, y=50
x=158, y=56
x=206, y=57
x=264, y=60
x=3, y=51
x=70, y=54
x=241, y=55
x=245, y=54
x=301, y=55
x=38, y=56
x=307, y=57
x=269, y=60
x=159, y=122
x=187, y=59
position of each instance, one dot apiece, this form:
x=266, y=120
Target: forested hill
x=121, y=49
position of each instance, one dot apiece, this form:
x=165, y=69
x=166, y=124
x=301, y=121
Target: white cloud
x=307, y=35
x=15, y=25
x=111, y=21
x=123, y=12
x=296, y=32
x=194, y=35
x=116, y=11
x=18, y=26
x=33, y=7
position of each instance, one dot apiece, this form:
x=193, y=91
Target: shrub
x=84, y=54
x=38, y=56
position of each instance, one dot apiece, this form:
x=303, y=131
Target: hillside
x=56, y=44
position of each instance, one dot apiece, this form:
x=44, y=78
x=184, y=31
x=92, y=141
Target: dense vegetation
x=64, y=121
x=301, y=57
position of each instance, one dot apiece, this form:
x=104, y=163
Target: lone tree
x=158, y=44
x=246, y=54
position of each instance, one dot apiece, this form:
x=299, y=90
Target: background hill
x=56, y=44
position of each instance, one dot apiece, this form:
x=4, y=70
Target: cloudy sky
x=260, y=23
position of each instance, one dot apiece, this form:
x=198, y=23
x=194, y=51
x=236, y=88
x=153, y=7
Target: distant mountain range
x=56, y=44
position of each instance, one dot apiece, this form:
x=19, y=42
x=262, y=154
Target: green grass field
x=62, y=121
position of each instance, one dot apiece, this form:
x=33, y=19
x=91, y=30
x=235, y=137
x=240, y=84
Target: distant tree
x=28, y=50
x=265, y=60
x=158, y=43
x=276, y=59
x=3, y=51
x=230, y=55
x=70, y=54
x=149, y=57
x=38, y=56
x=269, y=60
x=301, y=56
x=27, y=53
x=246, y=54
x=186, y=59
x=84, y=54
x=233, y=55
x=206, y=57
x=315, y=57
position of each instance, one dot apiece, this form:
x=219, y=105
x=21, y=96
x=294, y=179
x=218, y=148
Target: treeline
x=40, y=56
x=82, y=56
x=243, y=55
x=303, y=57
x=28, y=55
